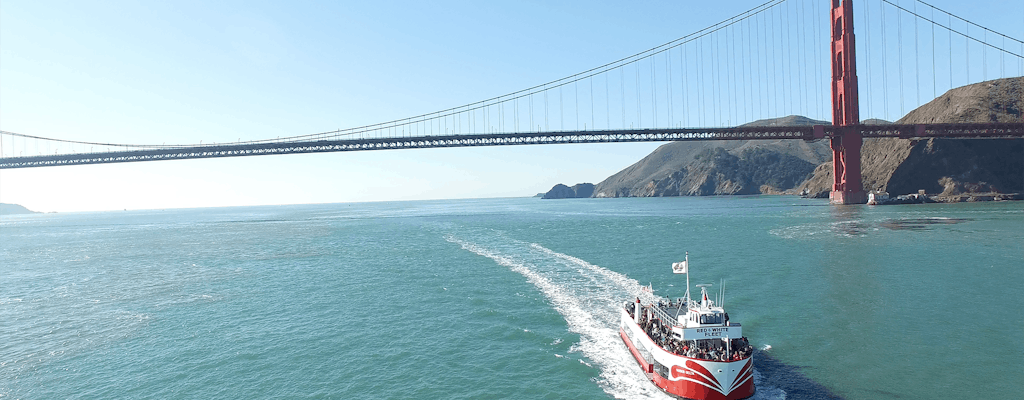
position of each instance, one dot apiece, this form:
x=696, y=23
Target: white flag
x=679, y=267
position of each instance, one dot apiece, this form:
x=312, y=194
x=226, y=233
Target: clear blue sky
x=220, y=71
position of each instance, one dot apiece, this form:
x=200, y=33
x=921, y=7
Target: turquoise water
x=501, y=298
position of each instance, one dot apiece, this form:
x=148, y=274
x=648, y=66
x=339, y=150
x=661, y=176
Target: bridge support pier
x=847, y=187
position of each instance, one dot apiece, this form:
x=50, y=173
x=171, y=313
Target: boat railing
x=665, y=318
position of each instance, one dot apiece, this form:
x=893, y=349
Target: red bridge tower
x=847, y=187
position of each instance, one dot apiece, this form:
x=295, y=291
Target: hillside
x=720, y=166
x=560, y=191
x=947, y=166
x=7, y=209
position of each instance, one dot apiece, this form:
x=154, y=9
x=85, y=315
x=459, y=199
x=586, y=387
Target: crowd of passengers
x=705, y=349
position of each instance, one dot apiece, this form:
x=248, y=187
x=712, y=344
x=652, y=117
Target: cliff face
x=720, y=167
x=947, y=166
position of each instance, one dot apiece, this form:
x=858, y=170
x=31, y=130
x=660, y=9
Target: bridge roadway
x=806, y=132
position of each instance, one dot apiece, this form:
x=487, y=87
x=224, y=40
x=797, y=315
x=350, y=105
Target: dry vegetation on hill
x=956, y=168
x=952, y=167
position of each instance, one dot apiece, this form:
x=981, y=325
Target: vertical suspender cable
x=967, y=49
x=764, y=48
x=739, y=75
x=950, y=32
x=746, y=66
x=802, y=79
x=867, y=52
x=824, y=74
x=716, y=79
x=682, y=81
x=899, y=42
x=654, y=93
x=636, y=65
x=701, y=101
x=885, y=71
x=935, y=84
x=984, y=57
x=730, y=79
x=668, y=76
x=775, y=67
x=622, y=94
x=736, y=77
x=607, y=103
x=786, y=49
x=772, y=63
x=754, y=60
x=917, y=60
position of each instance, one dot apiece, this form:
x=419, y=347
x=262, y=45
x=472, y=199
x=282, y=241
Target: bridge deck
x=806, y=132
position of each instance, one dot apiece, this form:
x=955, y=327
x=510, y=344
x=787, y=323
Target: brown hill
x=720, y=166
x=579, y=190
x=946, y=166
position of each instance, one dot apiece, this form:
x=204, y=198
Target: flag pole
x=687, y=261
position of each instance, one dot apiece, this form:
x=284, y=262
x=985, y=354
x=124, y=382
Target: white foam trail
x=588, y=297
x=627, y=284
x=596, y=324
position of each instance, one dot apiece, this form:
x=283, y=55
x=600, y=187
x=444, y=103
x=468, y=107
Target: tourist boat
x=688, y=348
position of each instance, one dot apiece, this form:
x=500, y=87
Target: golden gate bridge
x=664, y=92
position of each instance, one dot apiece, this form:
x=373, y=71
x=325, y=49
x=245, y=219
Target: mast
x=687, y=262
x=683, y=268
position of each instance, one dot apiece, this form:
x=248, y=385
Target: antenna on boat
x=721, y=292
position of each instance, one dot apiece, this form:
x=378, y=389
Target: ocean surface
x=505, y=298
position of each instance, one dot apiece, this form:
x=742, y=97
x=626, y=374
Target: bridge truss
x=805, y=132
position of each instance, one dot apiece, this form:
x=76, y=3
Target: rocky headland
x=577, y=191
x=947, y=169
x=7, y=209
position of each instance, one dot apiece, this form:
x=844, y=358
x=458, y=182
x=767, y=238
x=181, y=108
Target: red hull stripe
x=703, y=371
x=680, y=373
x=697, y=385
x=744, y=374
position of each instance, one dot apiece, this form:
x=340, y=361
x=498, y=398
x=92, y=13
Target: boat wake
x=588, y=297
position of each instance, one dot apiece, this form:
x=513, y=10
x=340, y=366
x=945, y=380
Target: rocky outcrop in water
x=579, y=190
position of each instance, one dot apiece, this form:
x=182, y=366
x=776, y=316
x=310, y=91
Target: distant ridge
x=579, y=190
x=6, y=209
x=721, y=166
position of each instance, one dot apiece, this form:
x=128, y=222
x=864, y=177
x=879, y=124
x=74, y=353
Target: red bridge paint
x=847, y=187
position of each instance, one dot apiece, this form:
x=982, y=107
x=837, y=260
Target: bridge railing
x=805, y=132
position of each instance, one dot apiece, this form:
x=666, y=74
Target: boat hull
x=685, y=377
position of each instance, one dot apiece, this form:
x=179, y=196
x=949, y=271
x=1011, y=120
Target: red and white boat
x=689, y=348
